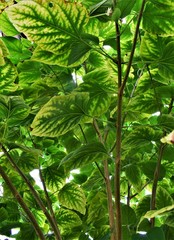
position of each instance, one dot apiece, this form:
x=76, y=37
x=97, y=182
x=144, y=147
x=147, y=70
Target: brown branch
x=121, y=86
x=108, y=186
x=133, y=46
x=35, y=194
x=22, y=203
x=47, y=198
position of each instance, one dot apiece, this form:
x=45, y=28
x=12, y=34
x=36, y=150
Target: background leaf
x=84, y=155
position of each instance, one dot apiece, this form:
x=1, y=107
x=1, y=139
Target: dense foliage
x=86, y=99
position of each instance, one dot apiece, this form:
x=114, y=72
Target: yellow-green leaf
x=72, y=196
x=53, y=27
x=157, y=20
x=60, y=115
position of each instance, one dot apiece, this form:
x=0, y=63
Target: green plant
x=86, y=99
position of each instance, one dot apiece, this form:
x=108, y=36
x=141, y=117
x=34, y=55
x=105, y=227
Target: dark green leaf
x=128, y=215
x=84, y=155
x=125, y=7
x=163, y=198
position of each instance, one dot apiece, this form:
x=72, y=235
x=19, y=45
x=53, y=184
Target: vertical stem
x=121, y=87
x=108, y=187
x=118, y=168
x=22, y=203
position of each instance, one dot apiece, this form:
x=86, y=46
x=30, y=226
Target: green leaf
x=165, y=91
x=60, y=115
x=166, y=62
x=156, y=233
x=13, y=109
x=6, y=25
x=85, y=154
x=166, y=121
x=28, y=161
x=151, y=47
x=154, y=213
x=143, y=206
x=3, y=214
x=128, y=215
x=97, y=208
x=148, y=168
x=140, y=137
x=125, y=6
x=158, y=20
x=126, y=232
x=8, y=74
x=67, y=218
x=54, y=177
x=101, y=86
x=27, y=232
x=133, y=174
x=81, y=47
x=72, y=197
x=163, y=198
x=17, y=52
x=29, y=72
x=52, y=33
x=3, y=52
x=152, y=234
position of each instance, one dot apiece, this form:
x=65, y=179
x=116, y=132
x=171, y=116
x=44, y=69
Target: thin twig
x=22, y=203
x=35, y=194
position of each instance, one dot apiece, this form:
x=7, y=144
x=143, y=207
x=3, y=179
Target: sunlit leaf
x=54, y=177
x=53, y=34
x=140, y=136
x=3, y=52
x=8, y=74
x=60, y=115
x=13, y=109
x=154, y=213
x=17, y=52
x=68, y=218
x=158, y=20
x=6, y=25
x=72, y=197
x=101, y=86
